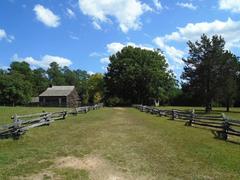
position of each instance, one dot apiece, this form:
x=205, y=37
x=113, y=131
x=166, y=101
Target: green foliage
x=15, y=84
x=19, y=83
x=137, y=75
x=229, y=72
x=210, y=72
x=95, y=88
x=97, y=98
x=39, y=81
x=113, y=101
x=55, y=75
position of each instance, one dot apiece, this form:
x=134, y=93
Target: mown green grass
x=136, y=144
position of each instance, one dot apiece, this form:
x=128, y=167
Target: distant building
x=62, y=96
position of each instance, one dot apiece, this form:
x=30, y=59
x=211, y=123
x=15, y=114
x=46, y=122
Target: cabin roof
x=58, y=91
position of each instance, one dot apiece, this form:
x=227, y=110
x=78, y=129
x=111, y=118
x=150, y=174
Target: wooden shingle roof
x=58, y=91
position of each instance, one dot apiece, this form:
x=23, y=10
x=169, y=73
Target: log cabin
x=59, y=96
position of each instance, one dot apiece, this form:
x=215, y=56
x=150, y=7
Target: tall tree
x=22, y=68
x=39, y=81
x=79, y=79
x=202, y=69
x=229, y=72
x=137, y=75
x=14, y=89
x=55, y=74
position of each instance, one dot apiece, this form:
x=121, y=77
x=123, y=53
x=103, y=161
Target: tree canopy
x=210, y=72
x=19, y=83
x=137, y=75
x=211, y=77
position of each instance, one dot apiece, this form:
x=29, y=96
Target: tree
x=20, y=82
x=96, y=88
x=22, y=68
x=97, y=98
x=39, y=81
x=70, y=76
x=14, y=89
x=55, y=74
x=137, y=75
x=201, y=69
x=79, y=79
x=229, y=71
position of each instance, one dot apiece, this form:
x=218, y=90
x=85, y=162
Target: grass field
x=117, y=143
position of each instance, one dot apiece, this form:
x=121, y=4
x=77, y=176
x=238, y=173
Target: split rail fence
x=221, y=125
x=22, y=123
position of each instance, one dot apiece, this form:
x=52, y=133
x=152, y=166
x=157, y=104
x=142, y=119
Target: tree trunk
x=228, y=104
x=208, y=107
x=208, y=95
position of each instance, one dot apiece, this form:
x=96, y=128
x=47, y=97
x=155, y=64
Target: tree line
x=20, y=83
x=211, y=77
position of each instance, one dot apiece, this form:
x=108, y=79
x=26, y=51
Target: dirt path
x=98, y=167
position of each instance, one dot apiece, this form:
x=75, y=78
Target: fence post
x=191, y=118
x=15, y=119
x=223, y=134
x=173, y=115
x=64, y=114
x=151, y=111
x=160, y=113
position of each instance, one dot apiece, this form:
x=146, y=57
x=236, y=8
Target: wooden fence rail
x=22, y=123
x=221, y=125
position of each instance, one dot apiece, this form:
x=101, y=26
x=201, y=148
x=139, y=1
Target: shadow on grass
x=204, y=128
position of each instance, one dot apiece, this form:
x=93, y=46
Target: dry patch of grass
x=95, y=167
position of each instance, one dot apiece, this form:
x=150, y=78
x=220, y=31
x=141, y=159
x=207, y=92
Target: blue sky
x=83, y=33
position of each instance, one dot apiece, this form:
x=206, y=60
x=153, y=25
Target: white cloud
x=4, y=35
x=91, y=73
x=96, y=54
x=186, y=5
x=45, y=61
x=229, y=29
x=4, y=67
x=114, y=47
x=158, y=4
x=96, y=25
x=127, y=13
x=70, y=13
x=104, y=68
x=232, y=5
x=105, y=60
x=175, y=54
x=46, y=16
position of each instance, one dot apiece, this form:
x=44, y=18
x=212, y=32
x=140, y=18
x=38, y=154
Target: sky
x=82, y=34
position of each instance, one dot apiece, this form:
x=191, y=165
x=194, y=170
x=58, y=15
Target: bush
x=113, y=101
